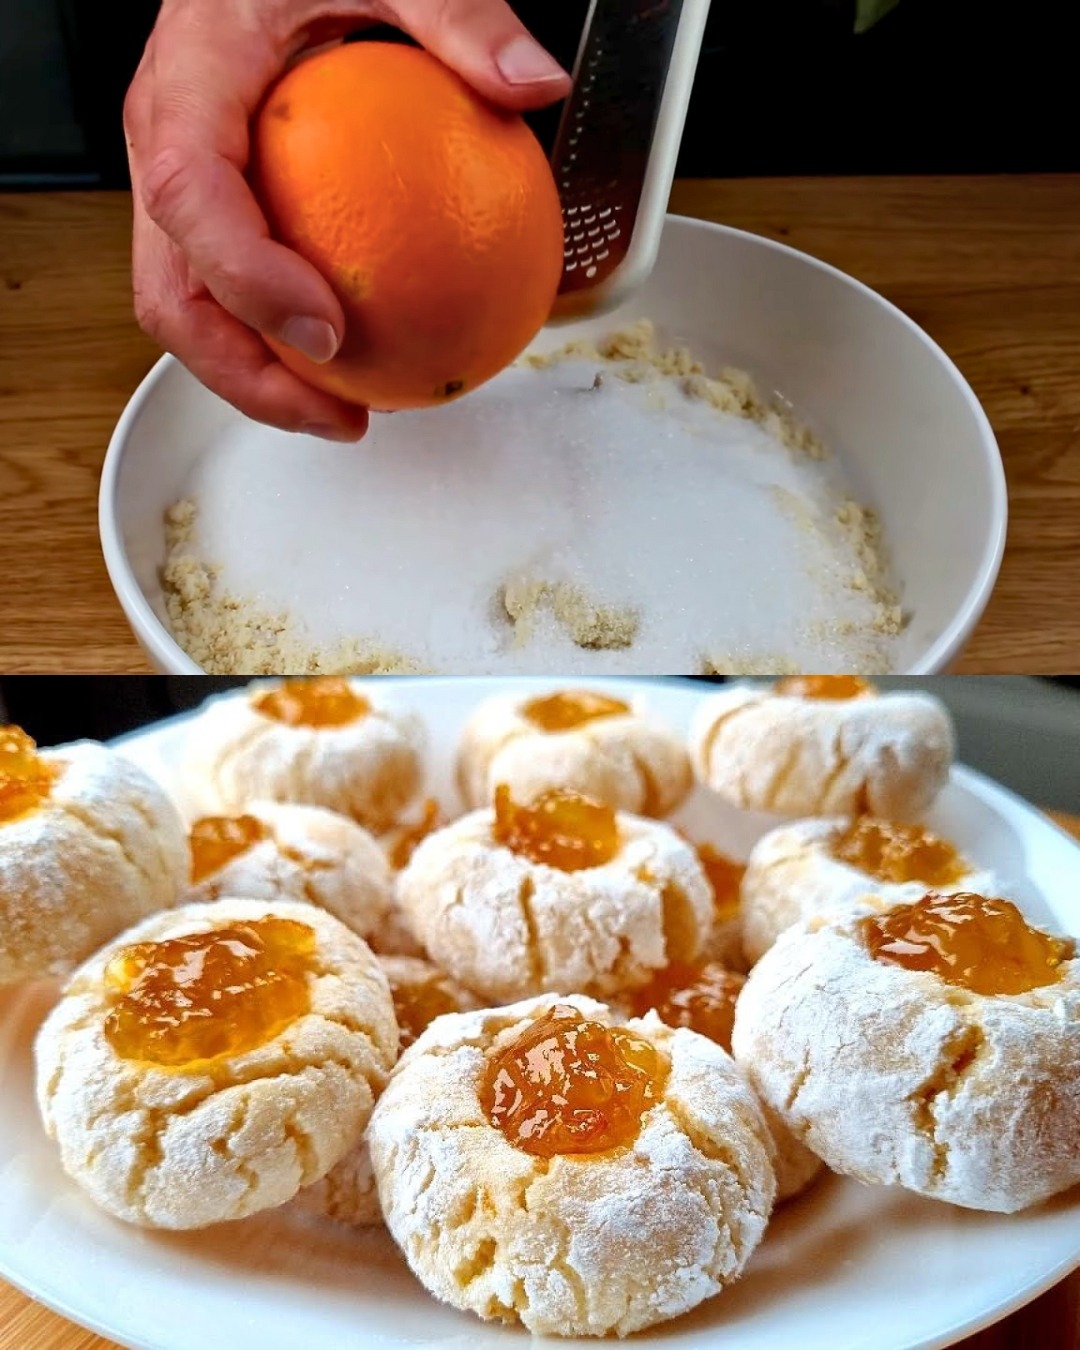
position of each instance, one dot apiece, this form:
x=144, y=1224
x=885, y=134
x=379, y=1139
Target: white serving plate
x=846, y=1267
x=905, y=426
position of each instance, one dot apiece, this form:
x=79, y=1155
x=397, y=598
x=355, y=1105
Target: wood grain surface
x=1051, y=1322
x=989, y=266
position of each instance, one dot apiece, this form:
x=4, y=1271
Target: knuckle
x=166, y=184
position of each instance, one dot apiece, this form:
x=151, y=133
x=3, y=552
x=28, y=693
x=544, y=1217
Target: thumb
x=488, y=46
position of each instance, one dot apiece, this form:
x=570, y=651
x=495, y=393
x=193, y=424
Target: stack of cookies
x=571, y=1057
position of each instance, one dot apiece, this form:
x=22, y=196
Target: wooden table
x=1051, y=1322
x=989, y=266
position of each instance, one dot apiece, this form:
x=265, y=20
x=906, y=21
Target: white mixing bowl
x=915, y=443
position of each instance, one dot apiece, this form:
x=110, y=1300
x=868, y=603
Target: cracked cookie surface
x=308, y=855
x=369, y=768
x=570, y=1245
x=886, y=754
x=508, y=927
x=222, y=1138
x=103, y=850
x=893, y=1076
x=792, y=875
x=623, y=758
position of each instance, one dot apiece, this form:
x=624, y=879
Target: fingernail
x=523, y=61
x=315, y=338
x=329, y=432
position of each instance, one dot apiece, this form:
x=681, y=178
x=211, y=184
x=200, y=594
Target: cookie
x=606, y=748
x=318, y=741
x=497, y=911
x=881, y=754
x=531, y=1216
x=89, y=844
x=283, y=851
x=903, y=1047
x=213, y=1060
x=822, y=867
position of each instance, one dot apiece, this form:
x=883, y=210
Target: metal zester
x=617, y=143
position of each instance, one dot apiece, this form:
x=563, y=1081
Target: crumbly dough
x=507, y=927
x=169, y=1148
x=106, y=848
x=311, y=855
x=369, y=769
x=631, y=761
x=884, y=754
x=570, y=1246
x=893, y=1076
x=348, y=1194
x=791, y=875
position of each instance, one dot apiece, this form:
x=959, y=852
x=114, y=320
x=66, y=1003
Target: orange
x=433, y=214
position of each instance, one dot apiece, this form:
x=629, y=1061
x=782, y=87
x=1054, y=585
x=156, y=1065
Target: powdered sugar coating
x=885, y=754
x=570, y=1246
x=369, y=769
x=792, y=875
x=629, y=761
x=312, y=856
x=172, y=1148
x=894, y=1076
x=105, y=848
x=348, y=1194
x=507, y=927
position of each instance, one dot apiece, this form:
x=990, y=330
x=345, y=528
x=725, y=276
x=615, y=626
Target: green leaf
x=870, y=12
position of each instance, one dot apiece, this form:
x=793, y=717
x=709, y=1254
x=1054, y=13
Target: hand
x=208, y=279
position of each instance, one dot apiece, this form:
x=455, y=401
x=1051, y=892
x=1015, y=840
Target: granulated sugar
x=577, y=514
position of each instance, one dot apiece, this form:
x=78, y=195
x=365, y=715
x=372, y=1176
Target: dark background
x=784, y=87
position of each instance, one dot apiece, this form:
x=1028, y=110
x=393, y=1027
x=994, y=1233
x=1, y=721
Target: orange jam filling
x=569, y=1085
x=896, y=853
x=571, y=708
x=700, y=997
x=410, y=836
x=217, y=840
x=418, y=1003
x=823, y=687
x=980, y=944
x=25, y=778
x=725, y=877
x=562, y=829
x=207, y=995
x=322, y=701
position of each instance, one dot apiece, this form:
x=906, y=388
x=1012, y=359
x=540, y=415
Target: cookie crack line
x=708, y=743
x=537, y=964
x=959, y=1054
x=99, y=832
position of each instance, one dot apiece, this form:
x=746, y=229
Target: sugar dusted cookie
x=421, y=992
x=826, y=745
x=822, y=867
x=283, y=851
x=213, y=1060
x=542, y=1164
x=563, y=894
x=703, y=998
x=607, y=748
x=933, y=1044
x=88, y=845
x=318, y=741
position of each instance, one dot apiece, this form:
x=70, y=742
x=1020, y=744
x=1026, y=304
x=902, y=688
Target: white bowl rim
x=166, y=652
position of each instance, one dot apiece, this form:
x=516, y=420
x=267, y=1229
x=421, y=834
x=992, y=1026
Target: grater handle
x=635, y=267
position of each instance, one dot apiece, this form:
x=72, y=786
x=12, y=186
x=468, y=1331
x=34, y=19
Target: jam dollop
x=561, y=829
x=979, y=943
x=207, y=995
x=892, y=852
x=568, y=1085
x=829, y=687
x=25, y=778
x=217, y=840
x=701, y=997
x=570, y=708
x=318, y=701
